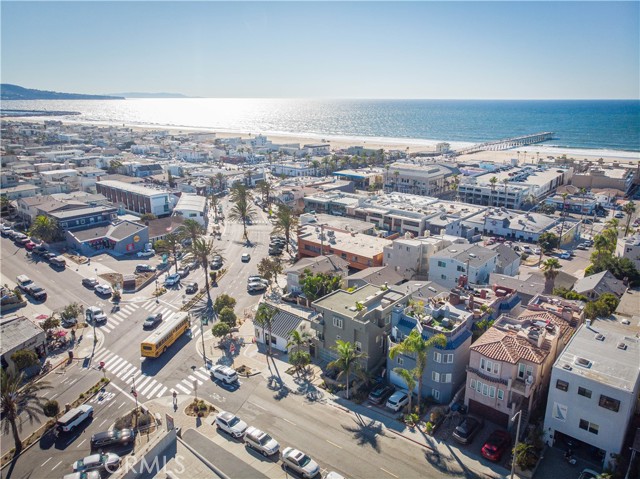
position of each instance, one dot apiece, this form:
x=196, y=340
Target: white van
x=74, y=418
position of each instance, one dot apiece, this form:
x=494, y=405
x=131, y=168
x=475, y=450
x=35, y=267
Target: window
x=485, y=389
x=387, y=319
x=435, y=393
x=447, y=378
x=448, y=358
x=460, y=269
x=358, y=346
x=437, y=357
x=588, y=426
x=478, y=386
x=524, y=370
x=435, y=377
x=492, y=392
x=400, y=360
x=472, y=384
x=500, y=394
x=584, y=392
x=562, y=385
x=443, y=276
x=337, y=322
x=609, y=403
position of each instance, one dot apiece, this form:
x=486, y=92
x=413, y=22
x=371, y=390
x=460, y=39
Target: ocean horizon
x=577, y=124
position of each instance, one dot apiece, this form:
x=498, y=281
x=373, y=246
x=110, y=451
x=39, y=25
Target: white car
x=565, y=255
x=83, y=475
x=256, y=286
x=108, y=461
x=172, y=280
x=103, y=289
x=224, y=373
x=300, y=462
x=146, y=253
x=261, y=442
x=398, y=400
x=246, y=257
x=231, y=424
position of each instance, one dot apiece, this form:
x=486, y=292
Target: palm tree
x=492, y=181
x=285, y=223
x=45, y=228
x=505, y=182
x=315, y=164
x=325, y=163
x=298, y=339
x=17, y=400
x=629, y=209
x=174, y=242
x=395, y=179
x=220, y=179
x=348, y=360
x=416, y=344
x=215, y=201
x=409, y=378
x=264, y=318
x=583, y=194
x=564, y=217
x=191, y=229
x=265, y=191
x=550, y=268
x=201, y=250
x=242, y=211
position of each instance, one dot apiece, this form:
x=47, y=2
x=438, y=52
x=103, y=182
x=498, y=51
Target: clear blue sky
x=482, y=50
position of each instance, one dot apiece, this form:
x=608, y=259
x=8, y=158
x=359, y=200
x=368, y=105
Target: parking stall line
x=390, y=473
x=183, y=389
x=162, y=391
x=56, y=465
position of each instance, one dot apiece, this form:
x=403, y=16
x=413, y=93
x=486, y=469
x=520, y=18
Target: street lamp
x=513, y=460
x=135, y=395
x=157, y=295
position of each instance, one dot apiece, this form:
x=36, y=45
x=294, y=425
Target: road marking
x=112, y=362
x=122, y=405
x=83, y=441
x=125, y=371
x=183, y=389
x=290, y=422
x=141, y=384
x=390, y=473
x=73, y=381
x=333, y=444
x=102, y=423
x=162, y=391
x=118, y=368
x=56, y=465
x=256, y=405
x=193, y=378
x=148, y=388
x=45, y=462
x=126, y=394
x=202, y=375
x=155, y=389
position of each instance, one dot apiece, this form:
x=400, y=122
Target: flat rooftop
x=137, y=189
x=191, y=202
x=370, y=296
x=353, y=243
x=597, y=353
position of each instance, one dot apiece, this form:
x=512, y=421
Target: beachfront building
x=474, y=263
x=629, y=247
x=359, y=250
x=611, y=177
x=415, y=179
x=137, y=199
x=192, y=207
x=293, y=168
x=362, y=179
x=594, y=387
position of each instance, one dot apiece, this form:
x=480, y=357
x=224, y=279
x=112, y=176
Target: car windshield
x=265, y=439
x=304, y=460
x=234, y=421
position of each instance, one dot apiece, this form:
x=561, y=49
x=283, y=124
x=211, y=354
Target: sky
x=304, y=49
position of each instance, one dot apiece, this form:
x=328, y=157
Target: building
x=18, y=333
x=612, y=177
x=124, y=237
x=596, y=284
x=192, y=207
x=84, y=217
x=362, y=179
x=329, y=264
x=473, y=262
x=137, y=199
x=509, y=365
x=594, y=387
x=362, y=317
x=22, y=190
x=575, y=204
x=430, y=315
x=360, y=251
x=376, y=275
x=629, y=247
x=424, y=180
x=508, y=260
x=293, y=168
x=410, y=256
x=285, y=320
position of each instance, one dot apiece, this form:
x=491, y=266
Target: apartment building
x=137, y=199
x=415, y=179
x=614, y=177
x=192, y=207
x=473, y=262
x=629, y=247
x=594, y=387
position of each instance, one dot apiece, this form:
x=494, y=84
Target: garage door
x=488, y=413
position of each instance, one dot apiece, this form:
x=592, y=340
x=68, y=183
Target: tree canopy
x=315, y=286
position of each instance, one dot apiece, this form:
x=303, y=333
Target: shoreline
x=409, y=145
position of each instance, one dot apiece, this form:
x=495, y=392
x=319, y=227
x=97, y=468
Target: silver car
x=231, y=424
x=261, y=442
x=300, y=462
x=108, y=461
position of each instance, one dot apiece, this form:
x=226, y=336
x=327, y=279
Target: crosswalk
x=126, y=310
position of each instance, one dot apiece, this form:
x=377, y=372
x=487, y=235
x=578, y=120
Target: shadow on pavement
x=366, y=433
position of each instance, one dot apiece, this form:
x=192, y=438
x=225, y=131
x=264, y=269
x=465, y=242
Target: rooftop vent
x=600, y=337
x=583, y=362
x=622, y=346
x=567, y=366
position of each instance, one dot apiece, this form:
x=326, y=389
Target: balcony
x=524, y=387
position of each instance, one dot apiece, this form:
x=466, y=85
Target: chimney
x=483, y=293
x=454, y=297
x=471, y=302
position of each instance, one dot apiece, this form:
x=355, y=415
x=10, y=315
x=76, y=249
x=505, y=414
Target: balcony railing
x=487, y=377
x=523, y=387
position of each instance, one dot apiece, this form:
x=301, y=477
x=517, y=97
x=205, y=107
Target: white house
x=472, y=261
x=192, y=207
x=594, y=387
x=285, y=320
x=629, y=247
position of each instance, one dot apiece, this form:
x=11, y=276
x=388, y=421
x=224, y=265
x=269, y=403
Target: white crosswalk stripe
x=115, y=370
x=107, y=328
x=113, y=363
x=183, y=389
x=193, y=378
x=161, y=391
x=125, y=371
x=101, y=354
x=202, y=375
x=140, y=384
x=148, y=388
x=155, y=390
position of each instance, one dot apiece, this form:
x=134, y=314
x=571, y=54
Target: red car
x=496, y=445
x=29, y=246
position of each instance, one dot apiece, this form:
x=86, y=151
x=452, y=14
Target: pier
x=507, y=143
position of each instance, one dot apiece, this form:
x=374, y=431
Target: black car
x=49, y=256
x=39, y=251
x=115, y=436
x=191, y=288
x=467, y=428
x=152, y=321
x=36, y=292
x=381, y=393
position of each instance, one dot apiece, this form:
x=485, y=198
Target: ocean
x=588, y=124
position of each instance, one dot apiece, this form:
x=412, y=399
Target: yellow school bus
x=160, y=340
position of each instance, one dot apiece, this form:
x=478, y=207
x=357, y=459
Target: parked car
x=496, y=445
x=145, y=268
x=216, y=262
x=619, y=215
x=103, y=289
x=256, y=279
x=261, y=441
x=256, y=286
x=582, y=246
x=564, y=255
x=231, y=424
x=191, y=288
x=83, y=475
x=114, y=436
x=146, y=253
x=90, y=282
x=39, y=250
x=224, y=373
x=29, y=245
x=380, y=393
x=467, y=429
x=23, y=281
x=49, y=256
x=398, y=400
x=299, y=462
x=587, y=221
x=246, y=257
x=183, y=272
x=172, y=280
x=36, y=292
x=152, y=320
x=108, y=461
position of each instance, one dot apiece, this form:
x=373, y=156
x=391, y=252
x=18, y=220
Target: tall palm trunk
x=16, y=436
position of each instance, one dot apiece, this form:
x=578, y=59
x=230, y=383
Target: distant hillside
x=150, y=95
x=15, y=92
